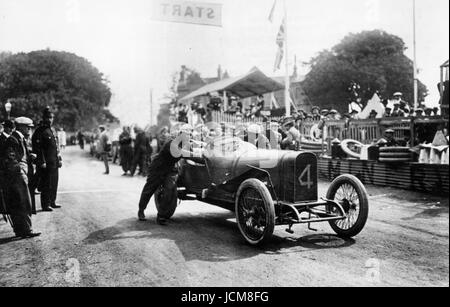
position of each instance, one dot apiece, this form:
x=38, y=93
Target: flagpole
x=287, y=80
x=416, y=86
x=151, y=106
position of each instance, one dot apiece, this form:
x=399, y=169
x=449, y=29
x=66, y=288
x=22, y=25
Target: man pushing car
x=163, y=166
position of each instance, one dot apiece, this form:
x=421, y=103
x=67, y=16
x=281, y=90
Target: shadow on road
x=4, y=241
x=434, y=211
x=211, y=237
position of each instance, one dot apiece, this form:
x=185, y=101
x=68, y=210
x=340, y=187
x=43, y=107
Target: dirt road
x=96, y=240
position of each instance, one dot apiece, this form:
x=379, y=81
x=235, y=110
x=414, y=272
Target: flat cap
x=255, y=129
x=389, y=131
x=25, y=121
x=288, y=120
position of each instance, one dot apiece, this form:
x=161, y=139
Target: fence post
x=300, y=129
x=379, y=130
x=323, y=137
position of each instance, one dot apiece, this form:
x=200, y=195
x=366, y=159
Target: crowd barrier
x=364, y=131
x=221, y=117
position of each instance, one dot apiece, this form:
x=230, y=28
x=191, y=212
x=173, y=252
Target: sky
x=138, y=55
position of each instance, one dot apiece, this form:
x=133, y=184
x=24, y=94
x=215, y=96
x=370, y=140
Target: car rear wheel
x=166, y=198
x=350, y=193
x=255, y=212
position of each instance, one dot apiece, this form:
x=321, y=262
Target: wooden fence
x=364, y=131
x=220, y=117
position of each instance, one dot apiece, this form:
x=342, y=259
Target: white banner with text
x=188, y=12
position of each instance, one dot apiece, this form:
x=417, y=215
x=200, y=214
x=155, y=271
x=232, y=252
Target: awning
x=253, y=83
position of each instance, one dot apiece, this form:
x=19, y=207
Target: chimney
x=295, y=74
x=219, y=72
x=183, y=75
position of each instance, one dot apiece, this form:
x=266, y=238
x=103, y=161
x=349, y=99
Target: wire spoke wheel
x=255, y=212
x=350, y=193
x=348, y=197
x=252, y=214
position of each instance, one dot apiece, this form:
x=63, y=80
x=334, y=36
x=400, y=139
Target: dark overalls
x=162, y=166
x=126, y=152
x=141, y=150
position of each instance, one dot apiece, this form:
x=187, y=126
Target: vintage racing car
x=266, y=188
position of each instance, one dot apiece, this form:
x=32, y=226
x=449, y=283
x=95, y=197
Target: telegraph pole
x=151, y=107
x=416, y=85
x=287, y=80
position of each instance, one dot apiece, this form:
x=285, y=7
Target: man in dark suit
x=126, y=150
x=14, y=182
x=22, y=135
x=45, y=146
x=259, y=106
x=141, y=150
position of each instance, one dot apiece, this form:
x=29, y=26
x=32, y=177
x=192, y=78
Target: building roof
x=294, y=80
x=254, y=83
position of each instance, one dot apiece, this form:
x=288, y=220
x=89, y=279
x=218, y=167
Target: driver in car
x=388, y=140
x=164, y=164
x=293, y=136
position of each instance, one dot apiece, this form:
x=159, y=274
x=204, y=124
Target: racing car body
x=222, y=172
x=266, y=188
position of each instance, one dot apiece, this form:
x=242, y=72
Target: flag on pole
x=272, y=11
x=280, y=42
x=278, y=60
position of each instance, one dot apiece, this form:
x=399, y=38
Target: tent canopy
x=374, y=104
x=253, y=83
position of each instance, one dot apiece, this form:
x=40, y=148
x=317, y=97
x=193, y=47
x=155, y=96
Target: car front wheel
x=255, y=212
x=350, y=193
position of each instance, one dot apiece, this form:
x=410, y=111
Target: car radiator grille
x=298, y=177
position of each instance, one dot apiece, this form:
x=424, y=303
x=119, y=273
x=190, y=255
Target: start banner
x=209, y=14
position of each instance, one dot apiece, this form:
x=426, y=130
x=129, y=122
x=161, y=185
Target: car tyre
x=357, y=208
x=166, y=198
x=346, y=148
x=255, y=212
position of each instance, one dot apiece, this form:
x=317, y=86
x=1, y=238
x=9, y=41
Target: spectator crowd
x=195, y=113
x=29, y=165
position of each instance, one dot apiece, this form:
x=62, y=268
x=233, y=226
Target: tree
x=359, y=66
x=4, y=55
x=69, y=84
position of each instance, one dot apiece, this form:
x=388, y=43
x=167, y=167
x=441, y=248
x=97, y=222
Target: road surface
x=96, y=240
